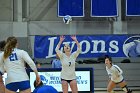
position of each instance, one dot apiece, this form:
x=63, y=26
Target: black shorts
x=67, y=80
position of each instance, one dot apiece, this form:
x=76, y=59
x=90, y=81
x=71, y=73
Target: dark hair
x=2, y=45
x=63, y=49
x=10, y=44
x=108, y=57
x=39, y=85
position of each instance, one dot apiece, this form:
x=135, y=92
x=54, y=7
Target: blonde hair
x=10, y=45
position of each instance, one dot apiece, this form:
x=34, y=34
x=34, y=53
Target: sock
x=112, y=91
x=125, y=88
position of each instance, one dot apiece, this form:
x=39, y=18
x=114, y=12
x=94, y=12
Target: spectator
x=56, y=63
x=38, y=65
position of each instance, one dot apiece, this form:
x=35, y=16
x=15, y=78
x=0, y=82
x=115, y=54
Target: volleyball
x=67, y=19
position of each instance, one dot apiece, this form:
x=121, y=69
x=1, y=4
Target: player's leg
x=124, y=87
x=73, y=86
x=64, y=86
x=24, y=87
x=9, y=91
x=11, y=87
x=2, y=87
x=111, y=86
x=26, y=91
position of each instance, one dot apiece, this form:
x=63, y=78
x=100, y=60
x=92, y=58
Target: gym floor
x=115, y=92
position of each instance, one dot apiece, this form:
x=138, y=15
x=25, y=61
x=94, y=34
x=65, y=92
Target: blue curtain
x=71, y=7
x=133, y=7
x=104, y=8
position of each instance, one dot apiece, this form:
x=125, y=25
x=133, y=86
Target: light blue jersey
x=56, y=63
x=45, y=89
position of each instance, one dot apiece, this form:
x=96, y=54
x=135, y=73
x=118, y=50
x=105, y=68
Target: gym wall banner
x=53, y=79
x=91, y=45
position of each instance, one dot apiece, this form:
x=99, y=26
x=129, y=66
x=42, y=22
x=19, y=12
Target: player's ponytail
x=10, y=45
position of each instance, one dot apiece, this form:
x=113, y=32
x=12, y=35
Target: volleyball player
x=115, y=75
x=68, y=75
x=2, y=87
x=13, y=59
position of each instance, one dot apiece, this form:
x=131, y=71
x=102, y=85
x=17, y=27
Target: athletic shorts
x=119, y=82
x=14, y=86
x=67, y=80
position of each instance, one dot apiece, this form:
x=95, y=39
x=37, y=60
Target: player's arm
x=78, y=45
x=2, y=70
x=31, y=63
x=59, y=53
x=118, y=70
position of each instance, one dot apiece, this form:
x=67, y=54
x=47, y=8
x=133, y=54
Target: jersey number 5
x=13, y=57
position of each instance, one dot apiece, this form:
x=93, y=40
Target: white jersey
x=115, y=73
x=68, y=64
x=14, y=65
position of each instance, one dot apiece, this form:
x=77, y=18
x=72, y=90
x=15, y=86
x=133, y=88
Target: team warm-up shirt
x=14, y=65
x=114, y=72
x=56, y=63
x=68, y=64
x=45, y=89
